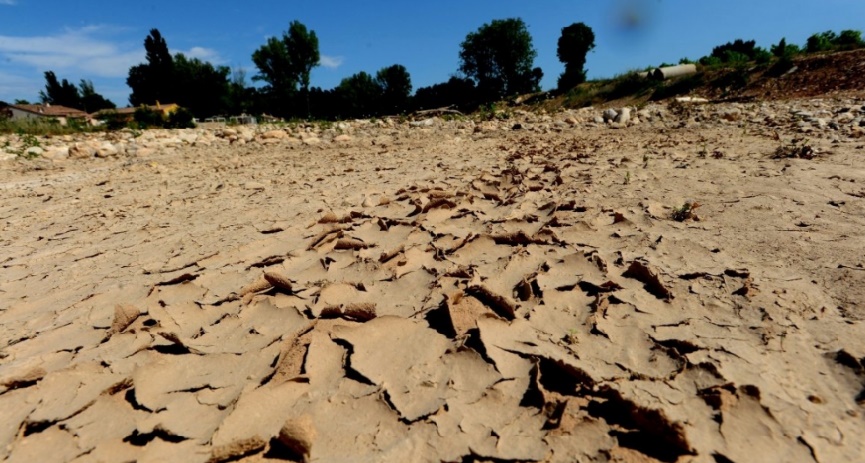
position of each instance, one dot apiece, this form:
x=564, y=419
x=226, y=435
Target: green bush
x=113, y=120
x=849, y=40
x=147, y=118
x=180, y=119
x=733, y=80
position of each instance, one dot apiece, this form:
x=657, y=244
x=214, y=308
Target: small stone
x=34, y=151
x=610, y=114
x=124, y=315
x=623, y=116
x=276, y=134
x=106, y=150
x=298, y=434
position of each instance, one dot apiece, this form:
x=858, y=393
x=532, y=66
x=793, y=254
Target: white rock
x=106, y=150
x=34, y=151
x=424, y=123
x=610, y=114
x=623, y=116
x=57, y=152
x=81, y=151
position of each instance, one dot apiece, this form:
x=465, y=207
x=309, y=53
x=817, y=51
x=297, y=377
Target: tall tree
x=499, y=58
x=303, y=53
x=576, y=41
x=152, y=81
x=90, y=100
x=457, y=91
x=395, y=83
x=62, y=93
x=287, y=62
x=201, y=87
x=359, y=94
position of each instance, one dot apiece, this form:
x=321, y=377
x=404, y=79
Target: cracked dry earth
x=439, y=295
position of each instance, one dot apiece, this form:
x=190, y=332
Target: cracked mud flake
x=71, y=337
x=751, y=433
x=155, y=381
x=111, y=450
x=403, y=357
x=53, y=444
x=257, y=326
x=160, y=451
x=184, y=416
x=493, y=426
x=16, y=406
x=109, y=418
x=260, y=412
x=64, y=393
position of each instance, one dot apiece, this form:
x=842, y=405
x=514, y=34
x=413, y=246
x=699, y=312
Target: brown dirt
x=602, y=330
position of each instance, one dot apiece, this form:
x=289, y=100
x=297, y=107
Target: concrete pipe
x=674, y=71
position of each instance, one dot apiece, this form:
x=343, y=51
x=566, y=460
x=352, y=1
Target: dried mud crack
x=457, y=293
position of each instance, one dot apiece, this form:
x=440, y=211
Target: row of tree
x=496, y=61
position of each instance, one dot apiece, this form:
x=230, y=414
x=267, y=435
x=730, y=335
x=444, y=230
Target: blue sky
x=99, y=40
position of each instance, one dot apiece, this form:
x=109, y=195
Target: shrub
x=849, y=39
x=733, y=80
x=147, y=118
x=180, y=119
x=112, y=120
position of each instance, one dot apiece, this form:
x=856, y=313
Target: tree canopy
x=499, y=58
x=395, y=84
x=576, y=41
x=194, y=84
x=359, y=94
x=285, y=63
x=64, y=93
x=152, y=81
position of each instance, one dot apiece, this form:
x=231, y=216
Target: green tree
x=359, y=94
x=823, y=41
x=152, y=81
x=784, y=49
x=499, y=58
x=457, y=91
x=576, y=41
x=395, y=83
x=90, y=100
x=201, y=87
x=61, y=93
x=240, y=96
x=849, y=39
x=303, y=55
x=286, y=63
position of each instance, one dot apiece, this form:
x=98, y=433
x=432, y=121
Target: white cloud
x=202, y=53
x=72, y=49
x=7, y=2
x=13, y=86
x=331, y=62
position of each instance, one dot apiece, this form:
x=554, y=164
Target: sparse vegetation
x=796, y=148
x=685, y=211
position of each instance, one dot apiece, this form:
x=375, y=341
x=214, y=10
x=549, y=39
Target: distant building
x=61, y=114
x=128, y=114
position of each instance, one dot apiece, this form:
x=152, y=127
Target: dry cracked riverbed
x=441, y=293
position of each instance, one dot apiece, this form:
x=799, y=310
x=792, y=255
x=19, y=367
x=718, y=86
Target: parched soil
x=442, y=294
